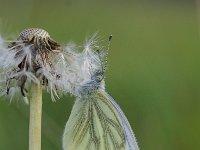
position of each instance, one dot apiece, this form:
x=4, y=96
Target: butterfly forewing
x=131, y=143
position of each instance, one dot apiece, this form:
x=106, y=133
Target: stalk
x=35, y=117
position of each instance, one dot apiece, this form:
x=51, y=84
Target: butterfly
x=96, y=121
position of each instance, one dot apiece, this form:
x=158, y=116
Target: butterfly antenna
x=109, y=41
x=106, y=55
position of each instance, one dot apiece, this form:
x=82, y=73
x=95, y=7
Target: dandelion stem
x=35, y=117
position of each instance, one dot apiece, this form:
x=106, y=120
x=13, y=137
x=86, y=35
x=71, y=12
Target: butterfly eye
x=98, y=76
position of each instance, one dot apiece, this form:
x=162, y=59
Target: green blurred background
x=154, y=67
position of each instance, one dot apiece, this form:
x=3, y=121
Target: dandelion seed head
x=33, y=57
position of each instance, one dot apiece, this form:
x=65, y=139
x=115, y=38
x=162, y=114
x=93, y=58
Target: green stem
x=35, y=117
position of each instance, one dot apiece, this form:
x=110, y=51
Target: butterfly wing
x=131, y=143
x=97, y=123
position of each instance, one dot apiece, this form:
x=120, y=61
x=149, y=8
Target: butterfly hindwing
x=95, y=124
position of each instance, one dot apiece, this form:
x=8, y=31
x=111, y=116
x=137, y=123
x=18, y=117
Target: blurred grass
x=153, y=67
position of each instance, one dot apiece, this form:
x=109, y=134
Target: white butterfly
x=96, y=121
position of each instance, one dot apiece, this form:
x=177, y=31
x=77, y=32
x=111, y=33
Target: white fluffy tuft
x=64, y=71
x=83, y=66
